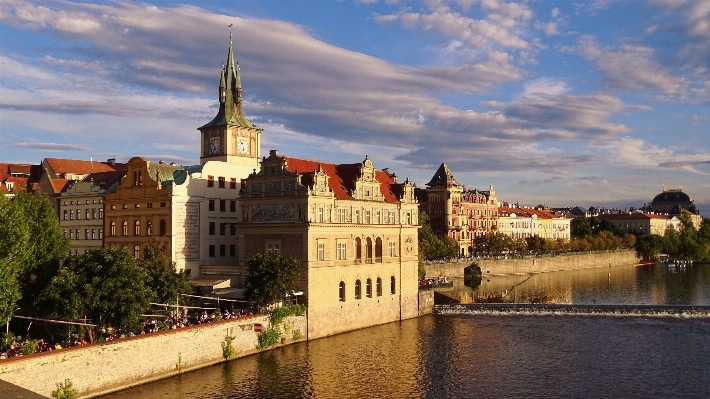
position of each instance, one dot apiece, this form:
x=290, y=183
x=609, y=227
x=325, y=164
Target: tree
x=163, y=279
x=107, y=285
x=580, y=227
x=32, y=249
x=270, y=277
x=649, y=246
x=431, y=246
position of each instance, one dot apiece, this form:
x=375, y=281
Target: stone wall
x=529, y=265
x=426, y=301
x=112, y=366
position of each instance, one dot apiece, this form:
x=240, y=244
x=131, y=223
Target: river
x=510, y=355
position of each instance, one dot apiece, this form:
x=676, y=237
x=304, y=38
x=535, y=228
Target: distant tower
x=230, y=137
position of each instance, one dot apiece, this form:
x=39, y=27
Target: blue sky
x=555, y=102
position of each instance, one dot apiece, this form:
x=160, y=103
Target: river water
x=503, y=355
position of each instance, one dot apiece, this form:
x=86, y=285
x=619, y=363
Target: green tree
x=432, y=247
x=107, y=285
x=163, y=279
x=270, y=277
x=671, y=242
x=649, y=246
x=32, y=249
x=580, y=227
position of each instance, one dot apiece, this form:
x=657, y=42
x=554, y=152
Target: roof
x=631, y=216
x=107, y=179
x=28, y=181
x=342, y=177
x=74, y=166
x=671, y=196
x=230, y=106
x=59, y=185
x=443, y=176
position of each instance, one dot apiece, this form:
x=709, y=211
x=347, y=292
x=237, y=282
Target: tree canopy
x=164, y=280
x=33, y=246
x=270, y=277
x=432, y=247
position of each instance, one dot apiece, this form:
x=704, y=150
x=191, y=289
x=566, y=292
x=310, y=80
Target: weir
x=682, y=311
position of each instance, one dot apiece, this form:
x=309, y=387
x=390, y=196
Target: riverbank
x=533, y=264
x=112, y=366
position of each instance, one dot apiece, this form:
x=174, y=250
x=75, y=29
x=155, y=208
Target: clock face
x=243, y=146
x=214, y=146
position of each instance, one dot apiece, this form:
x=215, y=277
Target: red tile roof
x=342, y=177
x=19, y=183
x=632, y=216
x=58, y=185
x=61, y=166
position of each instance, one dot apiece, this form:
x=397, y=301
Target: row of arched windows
x=342, y=292
x=137, y=228
x=364, y=249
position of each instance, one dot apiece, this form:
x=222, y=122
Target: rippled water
x=506, y=355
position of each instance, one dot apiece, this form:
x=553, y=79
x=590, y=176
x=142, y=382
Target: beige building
x=81, y=209
x=57, y=174
x=642, y=223
x=352, y=226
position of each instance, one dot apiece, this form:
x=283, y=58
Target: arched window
x=379, y=287
x=125, y=228
x=341, y=292
x=149, y=228
x=358, y=290
x=113, y=228
x=368, y=288
x=163, y=229
x=358, y=248
x=368, y=250
x=378, y=249
x=137, y=228
x=393, y=286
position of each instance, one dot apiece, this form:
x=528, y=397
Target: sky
x=561, y=103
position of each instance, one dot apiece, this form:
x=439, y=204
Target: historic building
x=81, y=209
x=15, y=178
x=58, y=174
x=642, y=223
x=456, y=212
x=674, y=202
x=352, y=226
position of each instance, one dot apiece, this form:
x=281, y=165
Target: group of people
x=110, y=333
x=433, y=282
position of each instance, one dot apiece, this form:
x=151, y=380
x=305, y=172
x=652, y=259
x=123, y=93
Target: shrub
x=268, y=338
x=65, y=390
x=6, y=340
x=279, y=314
x=472, y=275
x=228, y=350
x=29, y=347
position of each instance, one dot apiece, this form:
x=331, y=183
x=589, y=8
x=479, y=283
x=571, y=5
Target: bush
x=279, y=314
x=268, y=338
x=65, y=390
x=29, y=347
x=228, y=350
x=6, y=340
x=472, y=275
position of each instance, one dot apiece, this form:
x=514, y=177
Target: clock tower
x=230, y=137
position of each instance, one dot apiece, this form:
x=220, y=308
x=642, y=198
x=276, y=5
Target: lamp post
x=7, y=325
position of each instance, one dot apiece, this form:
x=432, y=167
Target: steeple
x=230, y=96
x=443, y=177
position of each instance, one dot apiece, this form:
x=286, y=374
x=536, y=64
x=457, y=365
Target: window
x=378, y=287
x=212, y=251
x=368, y=288
x=321, y=251
x=101, y=234
x=71, y=234
x=232, y=206
x=212, y=228
x=76, y=234
x=113, y=229
x=232, y=229
x=378, y=249
x=358, y=290
x=232, y=250
x=149, y=205
x=409, y=217
x=320, y=215
x=341, y=291
x=86, y=234
x=221, y=182
x=378, y=216
x=125, y=228
x=367, y=216
x=162, y=204
x=222, y=229
x=233, y=183
x=341, y=251
x=393, y=285
x=341, y=215
x=71, y=214
x=223, y=205
x=137, y=228
x=65, y=215
x=137, y=251
x=357, y=216
x=125, y=206
x=78, y=214
x=88, y=214
x=149, y=228
x=211, y=205
x=93, y=213
x=273, y=249
x=101, y=213
x=93, y=234
x=358, y=248
x=163, y=227
x=210, y=181
x=222, y=250
x=392, y=249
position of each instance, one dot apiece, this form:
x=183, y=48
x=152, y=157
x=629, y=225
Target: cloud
x=632, y=67
x=51, y=147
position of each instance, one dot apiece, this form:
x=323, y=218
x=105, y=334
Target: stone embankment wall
x=111, y=366
x=530, y=265
x=426, y=302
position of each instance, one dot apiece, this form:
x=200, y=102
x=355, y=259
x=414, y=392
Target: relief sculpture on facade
x=273, y=213
x=187, y=230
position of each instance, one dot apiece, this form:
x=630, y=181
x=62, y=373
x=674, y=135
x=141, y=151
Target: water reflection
x=653, y=285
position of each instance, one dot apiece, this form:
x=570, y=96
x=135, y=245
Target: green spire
x=230, y=109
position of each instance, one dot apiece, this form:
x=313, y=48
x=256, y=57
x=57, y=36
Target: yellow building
x=354, y=229
x=642, y=223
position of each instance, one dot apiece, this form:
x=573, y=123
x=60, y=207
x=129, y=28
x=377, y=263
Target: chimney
x=162, y=162
x=111, y=161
